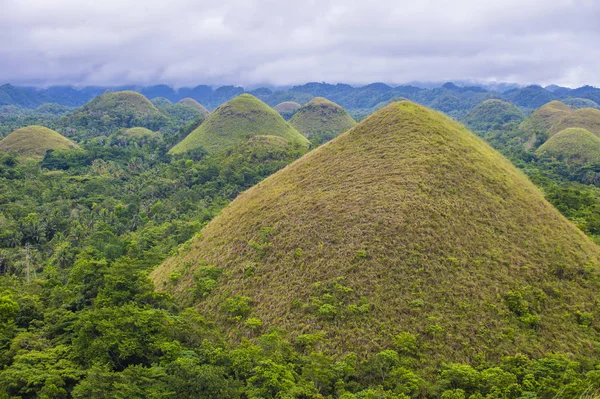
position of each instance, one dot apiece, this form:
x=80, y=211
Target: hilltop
x=34, y=141
x=542, y=119
x=585, y=118
x=575, y=145
x=190, y=102
x=493, y=115
x=287, y=109
x=112, y=111
x=406, y=224
x=321, y=120
x=234, y=122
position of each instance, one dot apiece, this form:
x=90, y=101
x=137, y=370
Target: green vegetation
x=405, y=259
x=234, y=122
x=320, y=120
x=110, y=112
x=34, y=141
x=13, y=118
x=190, y=102
x=580, y=103
x=287, y=109
x=573, y=145
x=431, y=231
x=493, y=115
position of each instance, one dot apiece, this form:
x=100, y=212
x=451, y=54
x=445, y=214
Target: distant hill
x=573, y=145
x=580, y=103
x=190, y=102
x=234, y=122
x=321, y=120
x=407, y=223
x=456, y=99
x=586, y=118
x=111, y=111
x=34, y=141
x=493, y=115
x=287, y=109
x=542, y=119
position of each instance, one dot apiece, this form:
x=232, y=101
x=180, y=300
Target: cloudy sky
x=253, y=42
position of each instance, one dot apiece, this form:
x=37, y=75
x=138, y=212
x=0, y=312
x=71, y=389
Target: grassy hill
x=406, y=224
x=542, y=119
x=234, y=122
x=573, y=145
x=110, y=112
x=190, y=102
x=585, y=118
x=493, y=115
x=287, y=109
x=321, y=120
x=34, y=141
x=580, y=103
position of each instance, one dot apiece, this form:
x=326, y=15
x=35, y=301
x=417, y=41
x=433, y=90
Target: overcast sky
x=252, y=42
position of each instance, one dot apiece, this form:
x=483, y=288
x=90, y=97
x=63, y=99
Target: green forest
x=87, y=228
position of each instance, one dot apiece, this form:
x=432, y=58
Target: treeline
x=449, y=98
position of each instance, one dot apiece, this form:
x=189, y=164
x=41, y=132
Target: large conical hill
x=574, y=145
x=406, y=223
x=34, y=141
x=236, y=121
x=321, y=120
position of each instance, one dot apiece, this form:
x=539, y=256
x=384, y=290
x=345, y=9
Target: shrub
x=237, y=307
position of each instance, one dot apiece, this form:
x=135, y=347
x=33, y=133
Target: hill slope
x=321, y=120
x=111, y=111
x=585, y=118
x=234, y=122
x=493, y=115
x=390, y=228
x=542, y=119
x=573, y=145
x=34, y=141
x=190, y=102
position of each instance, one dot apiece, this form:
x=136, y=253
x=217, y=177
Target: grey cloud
x=248, y=42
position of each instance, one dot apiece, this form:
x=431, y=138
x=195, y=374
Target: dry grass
x=543, y=118
x=421, y=218
x=34, y=141
x=573, y=145
x=321, y=120
x=234, y=122
x=585, y=118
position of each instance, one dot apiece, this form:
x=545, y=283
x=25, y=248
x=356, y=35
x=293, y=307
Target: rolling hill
x=493, y=115
x=575, y=145
x=407, y=223
x=287, y=109
x=321, y=120
x=190, y=102
x=234, y=122
x=110, y=112
x=34, y=141
x=542, y=119
x=585, y=118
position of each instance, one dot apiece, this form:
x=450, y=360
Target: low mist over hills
x=449, y=97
